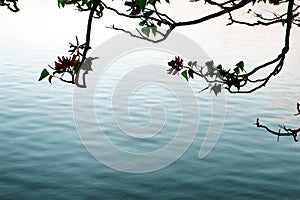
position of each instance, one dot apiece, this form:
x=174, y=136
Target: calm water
x=42, y=157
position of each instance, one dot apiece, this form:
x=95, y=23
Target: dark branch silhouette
x=288, y=131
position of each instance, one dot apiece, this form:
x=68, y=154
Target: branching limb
x=257, y=23
x=142, y=36
x=214, y=15
x=96, y=5
x=167, y=20
x=288, y=131
x=279, y=61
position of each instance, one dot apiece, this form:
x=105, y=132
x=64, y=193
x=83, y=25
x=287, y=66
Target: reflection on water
x=41, y=153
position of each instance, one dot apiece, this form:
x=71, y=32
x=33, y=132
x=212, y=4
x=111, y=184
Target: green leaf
x=89, y=4
x=194, y=64
x=142, y=23
x=221, y=71
x=62, y=3
x=184, y=74
x=190, y=63
x=154, y=30
x=237, y=70
x=209, y=63
x=240, y=65
x=76, y=69
x=141, y=4
x=146, y=31
x=152, y=2
x=210, y=69
x=217, y=88
x=83, y=2
x=44, y=74
x=86, y=66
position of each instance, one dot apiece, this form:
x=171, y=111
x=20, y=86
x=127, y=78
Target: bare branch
x=141, y=36
x=214, y=15
x=288, y=131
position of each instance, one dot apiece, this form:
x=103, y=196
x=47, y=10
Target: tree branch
x=214, y=15
x=88, y=38
x=288, y=131
x=279, y=60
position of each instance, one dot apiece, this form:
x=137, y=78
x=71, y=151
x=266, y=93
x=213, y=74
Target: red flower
x=176, y=64
x=65, y=63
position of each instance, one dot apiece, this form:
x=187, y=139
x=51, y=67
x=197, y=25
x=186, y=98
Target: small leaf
x=219, y=67
x=154, y=30
x=210, y=69
x=217, y=88
x=146, y=31
x=195, y=64
x=237, y=70
x=44, y=74
x=184, y=74
x=142, y=23
x=86, y=66
x=83, y=2
x=240, y=65
x=190, y=63
x=152, y=2
x=89, y=4
x=62, y=3
x=141, y=4
x=209, y=63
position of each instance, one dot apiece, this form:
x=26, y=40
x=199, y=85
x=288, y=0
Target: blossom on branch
x=176, y=64
x=66, y=63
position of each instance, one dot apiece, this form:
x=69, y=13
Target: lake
x=47, y=135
